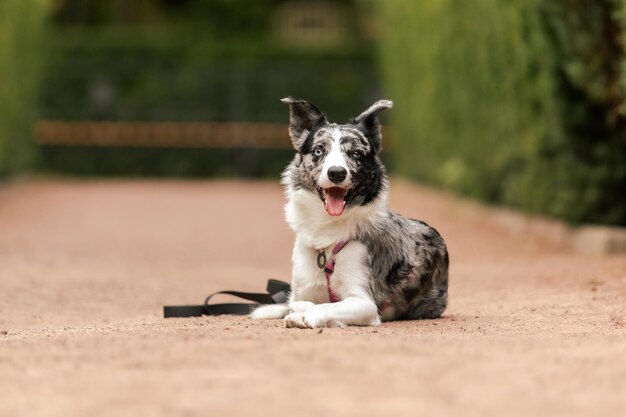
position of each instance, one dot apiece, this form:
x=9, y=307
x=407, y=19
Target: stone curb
x=584, y=239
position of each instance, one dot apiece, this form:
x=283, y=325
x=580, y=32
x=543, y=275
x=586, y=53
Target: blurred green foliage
x=176, y=73
x=219, y=60
x=196, y=60
x=230, y=18
x=21, y=30
x=512, y=101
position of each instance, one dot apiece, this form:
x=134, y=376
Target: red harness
x=329, y=267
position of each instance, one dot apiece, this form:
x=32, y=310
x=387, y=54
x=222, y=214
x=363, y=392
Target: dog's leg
x=279, y=311
x=307, y=286
x=300, y=306
x=353, y=311
x=271, y=311
x=350, y=281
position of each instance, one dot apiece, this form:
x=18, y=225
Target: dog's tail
x=270, y=311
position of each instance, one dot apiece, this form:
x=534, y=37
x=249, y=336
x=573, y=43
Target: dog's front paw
x=296, y=320
x=310, y=319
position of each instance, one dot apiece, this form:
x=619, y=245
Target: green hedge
x=518, y=102
x=172, y=72
x=21, y=29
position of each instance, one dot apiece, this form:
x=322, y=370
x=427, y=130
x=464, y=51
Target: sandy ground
x=85, y=267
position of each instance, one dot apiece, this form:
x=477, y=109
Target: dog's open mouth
x=334, y=200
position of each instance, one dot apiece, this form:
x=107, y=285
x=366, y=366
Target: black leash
x=277, y=293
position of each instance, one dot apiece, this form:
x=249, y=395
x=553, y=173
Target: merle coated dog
x=354, y=261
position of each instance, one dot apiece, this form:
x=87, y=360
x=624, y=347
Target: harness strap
x=329, y=268
x=277, y=293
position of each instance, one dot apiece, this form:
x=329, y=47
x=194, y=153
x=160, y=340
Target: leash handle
x=277, y=293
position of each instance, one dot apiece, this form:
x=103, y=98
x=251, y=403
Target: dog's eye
x=356, y=154
x=318, y=151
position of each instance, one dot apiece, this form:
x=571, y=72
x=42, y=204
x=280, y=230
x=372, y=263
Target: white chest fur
x=306, y=216
x=350, y=277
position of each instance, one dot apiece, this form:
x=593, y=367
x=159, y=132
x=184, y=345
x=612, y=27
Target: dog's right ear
x=303, y=117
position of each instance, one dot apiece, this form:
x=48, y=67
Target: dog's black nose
x=337, y=174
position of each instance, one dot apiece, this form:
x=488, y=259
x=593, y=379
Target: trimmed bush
x=518, y=102
x=21, y=29
x=218, y=61
x=177, y=74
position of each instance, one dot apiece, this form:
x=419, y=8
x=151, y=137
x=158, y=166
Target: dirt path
x=86, y=266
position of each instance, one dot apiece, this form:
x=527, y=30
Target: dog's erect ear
x=368, y=123
x=303, y=117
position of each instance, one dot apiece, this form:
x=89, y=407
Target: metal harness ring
x=321, y=259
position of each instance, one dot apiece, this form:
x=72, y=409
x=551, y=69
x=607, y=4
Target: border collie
x=354, y=262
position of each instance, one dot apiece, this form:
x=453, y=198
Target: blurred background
x=515, y=102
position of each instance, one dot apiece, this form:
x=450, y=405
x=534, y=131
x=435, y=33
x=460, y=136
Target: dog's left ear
x=368, y=123
x=303, y=117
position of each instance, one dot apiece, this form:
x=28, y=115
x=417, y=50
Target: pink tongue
x=334, y=201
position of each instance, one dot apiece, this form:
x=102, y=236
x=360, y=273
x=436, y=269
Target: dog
x=354, y=262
